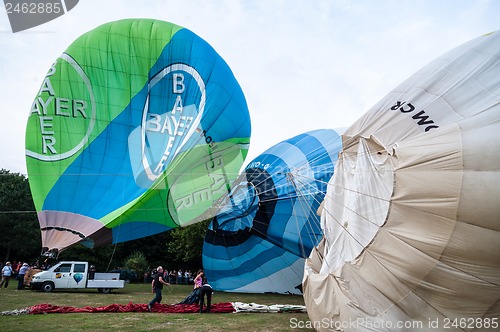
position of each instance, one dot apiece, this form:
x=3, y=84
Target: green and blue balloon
x=138, y=127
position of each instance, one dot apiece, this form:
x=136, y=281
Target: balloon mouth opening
x=49, y=252
x=239, y=212
x=61, y=229
x=365, y=173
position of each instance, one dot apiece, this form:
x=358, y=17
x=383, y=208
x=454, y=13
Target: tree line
x=20, y=237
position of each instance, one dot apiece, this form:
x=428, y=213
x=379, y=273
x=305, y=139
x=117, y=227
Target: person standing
x=6, y=274
x=179, y=277
x=20, y=275
x=194, y=297
x=157, y=285
x=198, y=280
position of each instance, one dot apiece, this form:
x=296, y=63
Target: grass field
x=11, y=299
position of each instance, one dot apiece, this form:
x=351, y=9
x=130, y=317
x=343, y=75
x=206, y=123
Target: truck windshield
x=63, y=268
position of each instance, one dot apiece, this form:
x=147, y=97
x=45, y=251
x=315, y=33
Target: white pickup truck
x=72, y=274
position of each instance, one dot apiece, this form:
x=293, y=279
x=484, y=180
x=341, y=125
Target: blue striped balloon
x=268, y=224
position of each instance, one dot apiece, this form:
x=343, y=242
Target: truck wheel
x=104, y=290
x=48, y=286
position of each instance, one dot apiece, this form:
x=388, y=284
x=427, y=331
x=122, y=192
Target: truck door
x=78, y=278
x=61, y=275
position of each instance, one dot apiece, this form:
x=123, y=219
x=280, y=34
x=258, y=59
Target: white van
x=71, y=274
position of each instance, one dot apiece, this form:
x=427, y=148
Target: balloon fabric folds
x=411, y=216
x=138, y=127
x=263, y=231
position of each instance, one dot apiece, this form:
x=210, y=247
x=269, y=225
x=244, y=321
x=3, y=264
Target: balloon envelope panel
x=411, y=218
x=137, y=128
x=268, y=224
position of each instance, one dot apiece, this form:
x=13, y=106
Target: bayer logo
x=170, y=117
x=65, y=100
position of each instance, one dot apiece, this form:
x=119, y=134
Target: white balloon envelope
x=412, y=214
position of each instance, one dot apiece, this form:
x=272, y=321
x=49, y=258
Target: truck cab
x=70, y=275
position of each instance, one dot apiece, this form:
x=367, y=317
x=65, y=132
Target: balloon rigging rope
x=325, y=210
x=307, y=209
x=304, y=207
x=297, y=174
x=111, y=258
x=300, y=194
x=114, y=247
x=309, y=190
x=345, y=229
x=339, y=223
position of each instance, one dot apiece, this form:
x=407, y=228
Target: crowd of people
x=178, y=277
x=15, y=270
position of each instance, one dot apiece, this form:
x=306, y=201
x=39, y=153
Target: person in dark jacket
x=207, y=290
x=157, y=286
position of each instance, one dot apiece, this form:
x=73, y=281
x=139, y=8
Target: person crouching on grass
x=157, y=285
x=207, y=290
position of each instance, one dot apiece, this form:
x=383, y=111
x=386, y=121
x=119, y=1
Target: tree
x=187, y=243
x=19, y=230
x=137, y=262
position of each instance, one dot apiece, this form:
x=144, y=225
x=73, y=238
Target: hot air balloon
x=267, y=225
x=138, y=127
x=411, y=216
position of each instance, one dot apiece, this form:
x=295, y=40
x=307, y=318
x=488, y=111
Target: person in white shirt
x=20, y=275
x=6, y=274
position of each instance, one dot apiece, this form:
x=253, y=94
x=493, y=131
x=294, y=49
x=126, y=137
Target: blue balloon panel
x=268, y=224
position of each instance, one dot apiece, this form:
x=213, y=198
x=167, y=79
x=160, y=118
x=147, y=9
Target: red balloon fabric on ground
x=45, y=308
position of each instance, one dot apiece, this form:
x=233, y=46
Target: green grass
x=11, y=299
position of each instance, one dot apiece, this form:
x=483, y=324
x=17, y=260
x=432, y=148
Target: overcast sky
x=302, y=64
